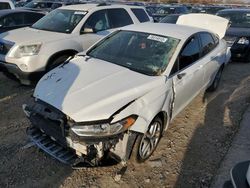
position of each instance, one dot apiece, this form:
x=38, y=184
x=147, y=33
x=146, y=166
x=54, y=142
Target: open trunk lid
x=216, y=24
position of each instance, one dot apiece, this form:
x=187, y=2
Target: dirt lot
x=188, y=155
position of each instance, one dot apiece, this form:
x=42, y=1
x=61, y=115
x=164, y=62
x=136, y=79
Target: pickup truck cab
x=60, y=34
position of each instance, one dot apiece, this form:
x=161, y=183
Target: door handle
x=181, y=75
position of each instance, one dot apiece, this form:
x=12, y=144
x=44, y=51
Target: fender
x=149, y=106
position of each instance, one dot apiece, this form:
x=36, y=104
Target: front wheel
x=146, y=144
x=56, y=62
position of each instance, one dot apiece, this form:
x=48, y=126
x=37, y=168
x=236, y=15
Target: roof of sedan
x=87, y=7
x=171, y=30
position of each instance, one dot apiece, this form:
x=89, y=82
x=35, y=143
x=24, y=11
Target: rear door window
x=207, y=43
x=119, y=17
x=140, y=14
x=13, y=20
x=4, y=6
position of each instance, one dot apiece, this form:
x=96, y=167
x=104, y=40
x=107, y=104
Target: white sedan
x=119, y=96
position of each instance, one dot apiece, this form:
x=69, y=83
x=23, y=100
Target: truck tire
x=57, y=61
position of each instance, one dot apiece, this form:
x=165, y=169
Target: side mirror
x=88, y=30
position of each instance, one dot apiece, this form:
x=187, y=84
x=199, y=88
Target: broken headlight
x=104, y=129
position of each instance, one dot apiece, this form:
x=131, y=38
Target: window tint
x=98, y=21
x=4, y=6
x=30, y=18
x=55, y=5
x=190, y=53
x=140, y=14
x=216, y=39
x=119, y=17
x=207, y=43
x=12, y=20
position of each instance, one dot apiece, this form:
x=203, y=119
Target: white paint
x=213, y=23
x=89, y=89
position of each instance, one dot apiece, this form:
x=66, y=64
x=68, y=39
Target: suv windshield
x=141, y=52
x=237, y=19
x=60, y=20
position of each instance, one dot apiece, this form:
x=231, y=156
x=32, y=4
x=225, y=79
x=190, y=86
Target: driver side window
x=98, y=21
x=189, y=54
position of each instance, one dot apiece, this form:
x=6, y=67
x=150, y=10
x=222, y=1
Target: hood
x=238, y=32
x=92, y=89
x=29, y=35
x=209, y=22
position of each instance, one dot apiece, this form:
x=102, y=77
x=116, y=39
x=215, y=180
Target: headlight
x=104, y=129
x=27, y=50
x=243, y=40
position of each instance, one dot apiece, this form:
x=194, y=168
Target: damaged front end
x=73, y=143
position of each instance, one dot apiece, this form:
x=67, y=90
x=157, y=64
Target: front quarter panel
x=148, y=106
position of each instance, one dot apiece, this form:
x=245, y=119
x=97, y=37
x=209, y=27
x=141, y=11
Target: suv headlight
x=104, y=129
x=243, y=40
x=27, y=50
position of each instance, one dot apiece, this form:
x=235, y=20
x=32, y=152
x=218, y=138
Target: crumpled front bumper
x=51, y=133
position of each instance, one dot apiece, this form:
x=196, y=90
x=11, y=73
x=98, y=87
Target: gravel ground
x=188, y=155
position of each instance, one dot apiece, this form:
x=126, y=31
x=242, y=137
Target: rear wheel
x=216, y=81
x=146, y=144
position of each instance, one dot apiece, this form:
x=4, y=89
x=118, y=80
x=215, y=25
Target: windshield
x=38, y=5
x=166, y=10
x=141, y=52
x=170, y=19
x=60, y=20
x=237, y=19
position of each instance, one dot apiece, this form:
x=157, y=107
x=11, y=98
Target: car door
x=102, y=23
x=94, y=28
x=210, y=56
x=187, y=74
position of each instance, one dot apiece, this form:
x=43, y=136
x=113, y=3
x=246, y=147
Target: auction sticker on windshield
x=157, y=38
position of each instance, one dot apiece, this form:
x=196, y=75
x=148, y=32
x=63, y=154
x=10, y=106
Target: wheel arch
x=60, y=53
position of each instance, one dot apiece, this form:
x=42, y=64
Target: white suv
x=30, y=51
x=6, y=4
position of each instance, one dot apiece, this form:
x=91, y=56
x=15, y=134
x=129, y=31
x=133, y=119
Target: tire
x=57, y=61
x=216, y=80
x=146, y=144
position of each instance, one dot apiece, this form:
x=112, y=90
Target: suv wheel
x=57, y=61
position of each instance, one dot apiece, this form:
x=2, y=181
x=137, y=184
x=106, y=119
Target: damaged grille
x=49, y=120
x=44, y=142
